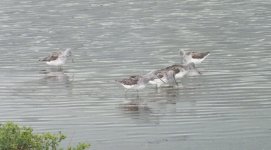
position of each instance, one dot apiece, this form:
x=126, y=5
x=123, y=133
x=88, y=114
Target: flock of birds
x=164, y=76
x=168, y=75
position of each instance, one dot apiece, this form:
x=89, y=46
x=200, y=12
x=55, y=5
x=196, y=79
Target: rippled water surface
x=227, y=107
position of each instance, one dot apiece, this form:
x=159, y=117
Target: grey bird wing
x=130, y=81
x=196, y=55
x=173, y=66
x=176, y=68
x=53, y=56
x=159, y=74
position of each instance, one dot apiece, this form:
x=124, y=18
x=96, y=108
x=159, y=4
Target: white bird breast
x=157, y=82
x=58, y=62
x=180, y=74
x=128, y=86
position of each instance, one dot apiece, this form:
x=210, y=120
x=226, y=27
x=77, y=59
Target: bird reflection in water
x=139, y=111
x=134, y=105
x=168, y=95
x=149, y=108
x=53, y=77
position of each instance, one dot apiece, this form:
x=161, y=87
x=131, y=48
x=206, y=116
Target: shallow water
x=228, y=107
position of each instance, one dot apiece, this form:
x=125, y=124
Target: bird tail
x=206, y=54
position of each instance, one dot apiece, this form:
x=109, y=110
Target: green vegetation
x=13, y=137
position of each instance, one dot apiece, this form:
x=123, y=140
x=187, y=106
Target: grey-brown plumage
x=171, y=73
x=135, y=82
x=176, y=68
x=58, y=58
x=195, y=57
x=51, y=57
x=132, y=80
x=162, y=72
x=163, y=76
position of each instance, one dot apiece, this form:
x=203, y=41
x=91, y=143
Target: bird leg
x=175, y=81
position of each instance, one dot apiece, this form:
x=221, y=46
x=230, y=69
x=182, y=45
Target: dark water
x=228, y=107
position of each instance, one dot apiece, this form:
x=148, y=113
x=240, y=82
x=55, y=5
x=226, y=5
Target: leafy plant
x=13, y=137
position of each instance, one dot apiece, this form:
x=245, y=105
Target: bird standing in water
x=136, y=82
x=171, y=73
x=57, y=58
x=195, y=57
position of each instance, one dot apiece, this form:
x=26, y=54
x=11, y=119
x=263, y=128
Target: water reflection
x=138, y=110
x=52, y=83
x=54, y=76
x=147, y=108
x=168, y=95
x=134, y=105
